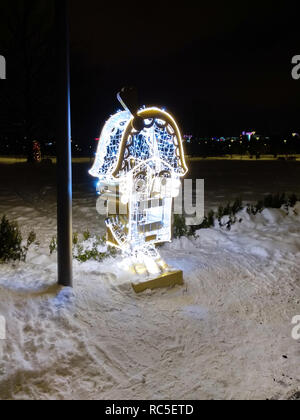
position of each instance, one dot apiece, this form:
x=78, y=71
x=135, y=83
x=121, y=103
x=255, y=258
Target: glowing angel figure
x=139, y=163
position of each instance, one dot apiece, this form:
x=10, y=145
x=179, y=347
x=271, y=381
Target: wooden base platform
x=168, y=279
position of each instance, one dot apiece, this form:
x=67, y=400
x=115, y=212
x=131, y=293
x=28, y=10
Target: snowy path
x=225, y=334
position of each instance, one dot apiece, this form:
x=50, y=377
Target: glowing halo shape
x=141, y=171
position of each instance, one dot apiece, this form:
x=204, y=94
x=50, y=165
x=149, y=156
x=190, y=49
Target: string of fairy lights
x=140, y=171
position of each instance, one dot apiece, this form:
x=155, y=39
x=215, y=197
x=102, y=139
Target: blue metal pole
x=64, y=154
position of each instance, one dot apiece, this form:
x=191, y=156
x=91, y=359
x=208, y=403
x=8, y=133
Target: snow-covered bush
x=227, y=216
x=208, y=221
x=179, y=227
x=92, y=249
x=53, y=245
x=276, y=201
x=11, y=248
x=86, y=247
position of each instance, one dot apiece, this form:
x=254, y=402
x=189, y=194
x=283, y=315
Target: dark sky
x=218, y=68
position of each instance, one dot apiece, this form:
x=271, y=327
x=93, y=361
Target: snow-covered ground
x=226, y=334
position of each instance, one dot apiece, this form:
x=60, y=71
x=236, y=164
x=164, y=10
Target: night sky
x=219, y=68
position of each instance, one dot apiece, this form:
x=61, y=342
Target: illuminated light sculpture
x=139, y=163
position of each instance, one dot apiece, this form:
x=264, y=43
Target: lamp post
x=64, y=154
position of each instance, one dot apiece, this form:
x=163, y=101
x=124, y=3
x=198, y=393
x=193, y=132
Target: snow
x=222, y=335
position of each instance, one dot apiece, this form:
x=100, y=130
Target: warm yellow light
x=150, y=113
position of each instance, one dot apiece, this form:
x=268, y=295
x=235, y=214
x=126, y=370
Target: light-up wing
x=109, y=143
x=159, y=140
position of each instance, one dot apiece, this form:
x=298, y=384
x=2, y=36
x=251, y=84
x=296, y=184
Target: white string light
x=145, y=169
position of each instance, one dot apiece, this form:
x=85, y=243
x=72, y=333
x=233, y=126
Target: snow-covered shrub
x=75, y=238
x=225, y=216
x=179, y=227
x=31, y=239
x=86, y=247
x=11, y=248
x=208, y=221
x=92, y=249
x=254, y=209
x=230, y=209
x=237, y=206
x=53, y=245
x=292, y=200
x=86, y=235
x=276, y=201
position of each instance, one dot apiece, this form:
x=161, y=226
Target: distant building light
x=250, y=134
x=188, y=138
